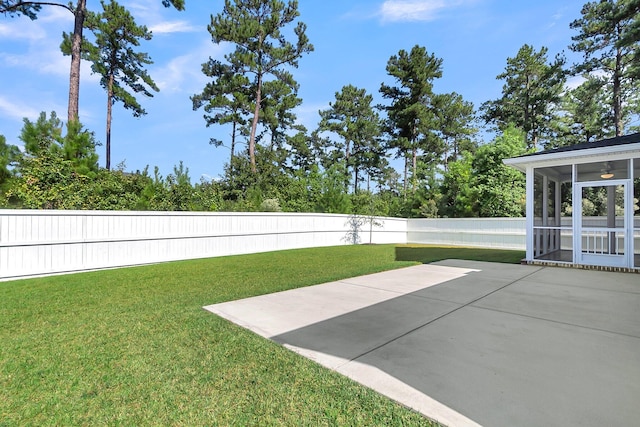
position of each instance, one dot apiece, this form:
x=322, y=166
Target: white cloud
x=38, y=45
x=9, y=30
x=183, y=73
x=22, y=28
x=152, y=14
x=172, y=27
x=144, y=8
x=43, y=60
x=414, y=10
x=17, y=110
x=411, y=10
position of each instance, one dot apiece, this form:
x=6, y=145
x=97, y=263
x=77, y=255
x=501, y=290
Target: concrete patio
x=472, y=343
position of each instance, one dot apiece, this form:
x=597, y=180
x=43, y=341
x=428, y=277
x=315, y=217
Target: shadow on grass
x=429, y=254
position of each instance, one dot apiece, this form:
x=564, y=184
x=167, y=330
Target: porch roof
x=621, y=147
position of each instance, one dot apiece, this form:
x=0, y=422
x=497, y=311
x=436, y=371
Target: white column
x=629, y=218
x=576, y=204
x=530, y=213
x=557, y=210
x=611, y=218
x=545, y=214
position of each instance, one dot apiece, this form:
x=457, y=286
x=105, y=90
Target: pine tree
x=609, y=38
x=530, y=95
x=455, y=124
x=411, y=117
x=31, y=9
x=261, y=50
x=113, y=57
x=354, y=120
x=225, y=99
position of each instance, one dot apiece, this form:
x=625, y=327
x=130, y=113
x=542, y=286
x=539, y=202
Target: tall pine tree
x=530, y=96
x=31, y=9
x=261, y=49
x=113, y=57
x=354, y=120
x=411, y=116
x=225, y=99
x=609, y=38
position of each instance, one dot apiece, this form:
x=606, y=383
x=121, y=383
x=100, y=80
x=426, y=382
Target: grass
x=134, y=346
x=427, y=253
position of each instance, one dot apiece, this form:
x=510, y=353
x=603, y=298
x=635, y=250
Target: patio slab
x=472, y=343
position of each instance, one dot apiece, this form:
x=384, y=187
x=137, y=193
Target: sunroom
x=582, y=203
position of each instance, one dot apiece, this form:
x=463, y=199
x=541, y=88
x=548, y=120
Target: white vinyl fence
x=503, y=233
x=45, y=242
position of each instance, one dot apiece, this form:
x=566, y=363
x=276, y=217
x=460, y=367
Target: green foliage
x=411, y=116
x=279, y=98
x=180, y=191
x=50, y=182
x=500, y=188
x=41, y=136
x=341, y=167
x=61, y=172
x=207, y=196
x=334, y=196
x=112, y=56
x=455, y=124
x=9, y=156
x=586, y=117
x=457, y=189
x=261, y=49
x=44, y=138
x=79, y=147
x=20, y=7
x=225, y=100
x=353, y=119
x=47, y=182
x=609, y=38
x=530, y=95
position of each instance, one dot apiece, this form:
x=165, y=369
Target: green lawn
x=428, y=253
x=134, y=346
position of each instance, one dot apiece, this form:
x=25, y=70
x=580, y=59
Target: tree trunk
x=76, y=53
x=355, y=180
x=254, y=126
x=415, y=171
x=109, y=105
x=233, y=150
x=406, y=172
x=233, y=140
x=347, y=156
x=617, y=93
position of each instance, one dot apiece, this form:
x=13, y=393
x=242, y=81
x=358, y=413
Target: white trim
x=604, y=259
x=530, y=213
x=615, y=152
x=576, y=215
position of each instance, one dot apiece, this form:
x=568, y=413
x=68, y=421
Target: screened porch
x=582, y=203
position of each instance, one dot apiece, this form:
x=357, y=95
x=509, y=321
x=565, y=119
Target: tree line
x=344, y=164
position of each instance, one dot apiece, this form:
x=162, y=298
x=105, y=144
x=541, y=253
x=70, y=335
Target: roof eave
x=522, y=162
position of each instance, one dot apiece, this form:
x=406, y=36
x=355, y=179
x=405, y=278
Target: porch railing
x=603, y=241
x=548, y=239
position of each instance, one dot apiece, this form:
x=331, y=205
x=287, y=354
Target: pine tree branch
x=15, y=7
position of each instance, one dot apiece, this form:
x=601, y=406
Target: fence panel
x=46, y=242
x=504, y=233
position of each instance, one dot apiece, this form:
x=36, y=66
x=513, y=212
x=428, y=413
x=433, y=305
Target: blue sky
x=353, y=41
